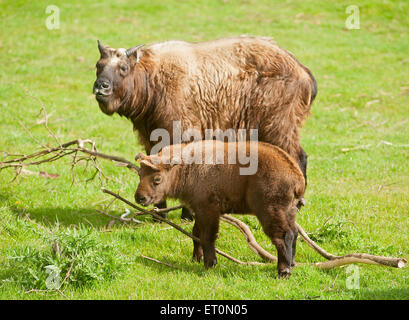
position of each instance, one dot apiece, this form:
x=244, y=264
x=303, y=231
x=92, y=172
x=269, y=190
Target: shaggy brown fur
x=273, y=194
x=242, y=82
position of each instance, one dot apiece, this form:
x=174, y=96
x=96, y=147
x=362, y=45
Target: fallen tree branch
x=336, y=261
x=313, y=245
x=362, y=258
x=62, y=151
x=251, y=241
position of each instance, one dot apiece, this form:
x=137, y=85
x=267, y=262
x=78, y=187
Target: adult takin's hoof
x=187, y=214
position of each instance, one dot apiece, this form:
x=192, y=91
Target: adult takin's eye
x=124, y=69
x=157, y=180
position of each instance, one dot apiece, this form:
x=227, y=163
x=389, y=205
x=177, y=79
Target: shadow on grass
x=222, y=269
x=68, y=216
x=63, y=216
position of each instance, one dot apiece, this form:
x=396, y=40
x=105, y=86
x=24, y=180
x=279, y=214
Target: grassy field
x=357, y=140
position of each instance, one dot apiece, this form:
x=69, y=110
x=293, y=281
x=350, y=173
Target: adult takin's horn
x=101, y=48
x=131, y=51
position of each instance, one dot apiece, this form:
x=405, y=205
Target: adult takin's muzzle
x=102, y=88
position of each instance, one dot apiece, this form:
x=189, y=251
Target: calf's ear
x=140, y=156
x=147, y=163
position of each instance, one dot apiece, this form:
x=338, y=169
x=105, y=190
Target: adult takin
x=210, y=188
x=231, y=83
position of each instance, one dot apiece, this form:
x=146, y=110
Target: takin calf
x=273, y=193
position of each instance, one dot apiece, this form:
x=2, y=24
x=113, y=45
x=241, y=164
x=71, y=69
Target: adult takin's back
x=273, y=192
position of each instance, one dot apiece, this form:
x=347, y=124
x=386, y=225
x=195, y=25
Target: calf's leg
x=291, y=215
x=276, y=227
x=207, y=220
x=294, y=246
x=197, y=248
x=283, y=242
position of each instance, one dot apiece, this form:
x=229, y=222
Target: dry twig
x=160, y=262
x=47, y=154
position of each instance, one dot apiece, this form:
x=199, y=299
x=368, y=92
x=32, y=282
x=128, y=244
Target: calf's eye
x=157, y=180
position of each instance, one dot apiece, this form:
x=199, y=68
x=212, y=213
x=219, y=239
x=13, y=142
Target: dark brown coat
x=273, y=194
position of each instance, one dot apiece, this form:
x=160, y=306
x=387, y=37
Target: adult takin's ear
x=134, y=52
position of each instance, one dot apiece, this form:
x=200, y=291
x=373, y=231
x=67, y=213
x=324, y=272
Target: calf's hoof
x=210, y=263
x=198, y=257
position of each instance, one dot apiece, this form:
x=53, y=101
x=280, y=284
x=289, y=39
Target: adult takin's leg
x=161, y=205
x=186, y=213
x=302, y=162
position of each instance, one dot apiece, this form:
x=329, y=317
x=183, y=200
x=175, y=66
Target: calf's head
x=114, y=77
x=154, y=181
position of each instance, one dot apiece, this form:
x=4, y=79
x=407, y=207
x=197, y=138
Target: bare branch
x=160, y=262
x=63, y=150
x=245, y=230
x=336, y=261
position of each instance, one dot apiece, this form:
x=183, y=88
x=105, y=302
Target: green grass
x=363, y=192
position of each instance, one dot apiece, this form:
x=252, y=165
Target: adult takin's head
x=114, y=77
